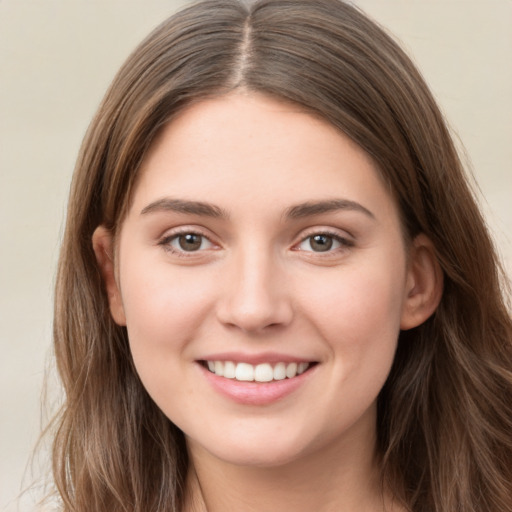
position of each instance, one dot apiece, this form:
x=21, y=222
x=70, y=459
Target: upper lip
x=254, y=359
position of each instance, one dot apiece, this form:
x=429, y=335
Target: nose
x=255, y=295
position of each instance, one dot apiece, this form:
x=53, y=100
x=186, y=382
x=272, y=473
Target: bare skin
x=296, y=486
x=261, y=236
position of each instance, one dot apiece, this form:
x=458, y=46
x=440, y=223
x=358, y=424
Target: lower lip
x=255, y=393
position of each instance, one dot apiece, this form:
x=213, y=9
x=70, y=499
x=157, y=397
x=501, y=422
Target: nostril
x=255, y=317
x=253, y=300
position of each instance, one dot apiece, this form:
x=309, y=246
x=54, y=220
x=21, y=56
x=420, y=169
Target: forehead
x=244, y=148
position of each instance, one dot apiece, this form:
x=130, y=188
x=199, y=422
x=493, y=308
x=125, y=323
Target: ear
x=103, y=245
x=424, y=285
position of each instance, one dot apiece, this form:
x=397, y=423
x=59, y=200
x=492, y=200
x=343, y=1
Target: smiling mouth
x=264, y=372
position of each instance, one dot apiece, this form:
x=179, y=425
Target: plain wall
x=56, y=59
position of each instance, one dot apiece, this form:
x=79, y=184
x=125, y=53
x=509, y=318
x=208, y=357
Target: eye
x=187, y=242
x=322, y=242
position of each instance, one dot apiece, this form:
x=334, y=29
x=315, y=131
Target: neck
x=343, y=477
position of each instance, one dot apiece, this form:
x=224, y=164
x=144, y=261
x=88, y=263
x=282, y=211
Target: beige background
x=56, y=59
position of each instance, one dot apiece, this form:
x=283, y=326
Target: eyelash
x=166, y=241
x=344, y=243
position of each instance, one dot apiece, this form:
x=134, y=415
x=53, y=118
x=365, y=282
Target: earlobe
x=102, y=243
x=424, y=286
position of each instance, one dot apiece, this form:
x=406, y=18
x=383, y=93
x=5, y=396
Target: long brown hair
x=445, y=413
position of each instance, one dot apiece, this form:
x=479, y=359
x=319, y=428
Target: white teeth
x=229, y=370
x=291, y=370
x=263, y=372
x=244, y=372
x=279, y=371
x=219, y=368
x=302, y=368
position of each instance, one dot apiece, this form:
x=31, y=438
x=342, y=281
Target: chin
x=258, y=450
x=258, y=458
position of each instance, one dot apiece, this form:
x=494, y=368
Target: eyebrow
x=299, y=211
x=184, y=206
x=310, y=209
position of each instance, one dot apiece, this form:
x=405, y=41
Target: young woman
x=276, y=291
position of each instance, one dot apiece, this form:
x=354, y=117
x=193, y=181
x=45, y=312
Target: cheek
x=164, y=308
x=358, y=316
x=164, y=311
x=360, y=300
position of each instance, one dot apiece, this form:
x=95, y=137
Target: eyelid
x=344, y=239
x=170, y=235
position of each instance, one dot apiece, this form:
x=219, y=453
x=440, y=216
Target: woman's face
x=261, y=244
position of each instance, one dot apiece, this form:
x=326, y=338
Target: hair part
x=445, y=413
